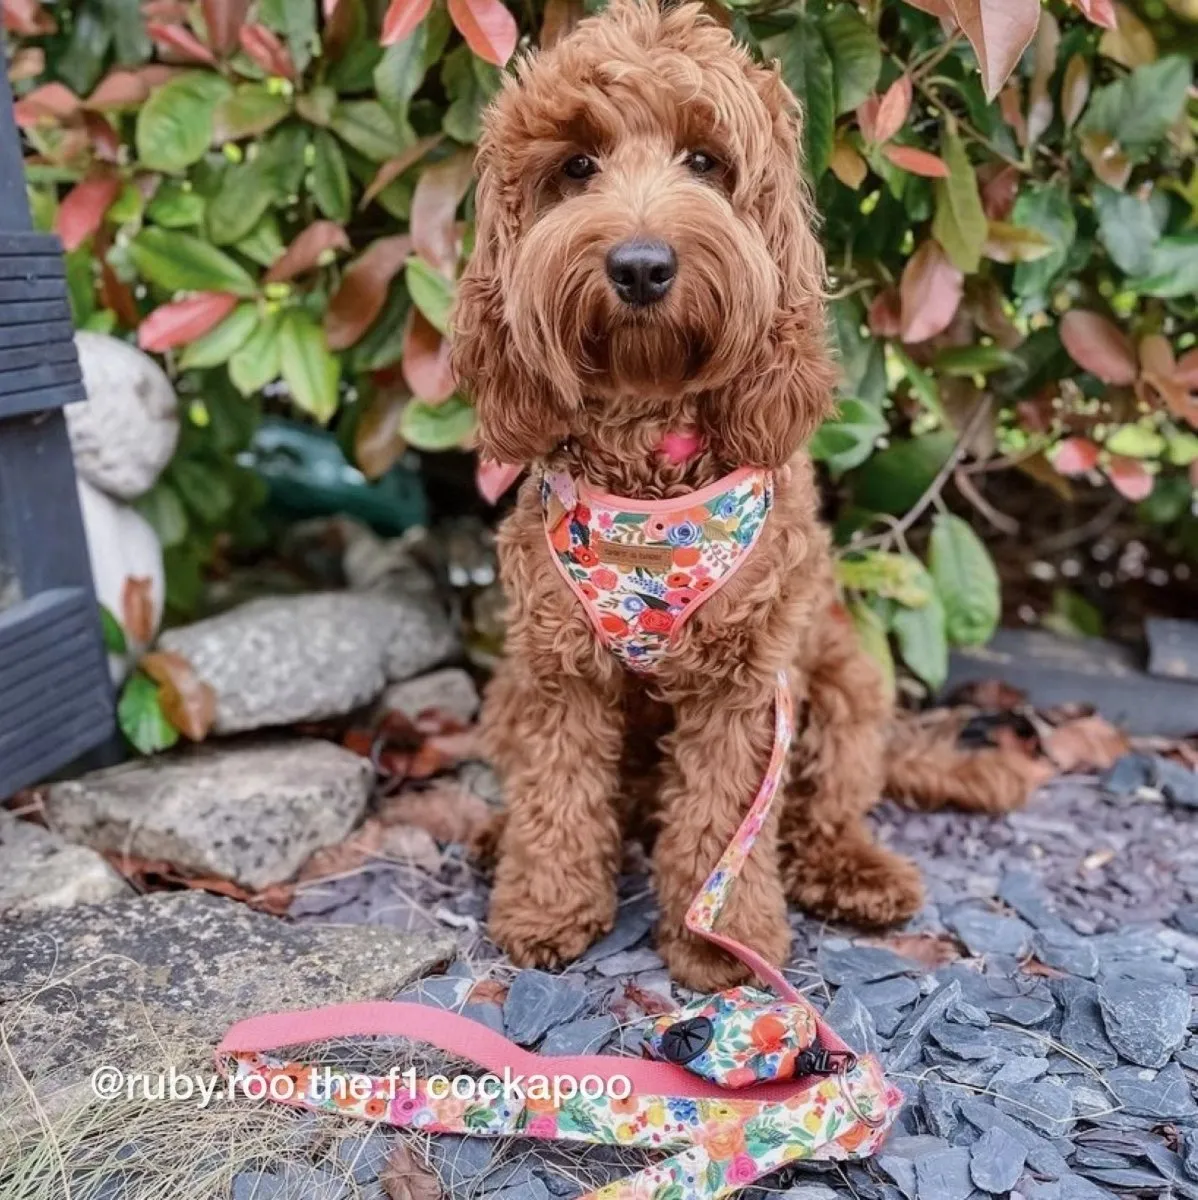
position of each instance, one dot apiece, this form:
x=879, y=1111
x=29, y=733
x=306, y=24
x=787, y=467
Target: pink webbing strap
x=460, y=1035
x=705, y=908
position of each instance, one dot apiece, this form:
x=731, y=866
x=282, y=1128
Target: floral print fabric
x=641, y=568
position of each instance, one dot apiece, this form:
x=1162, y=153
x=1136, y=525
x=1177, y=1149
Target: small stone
x=1046, y=1104
x=996, y=1161
x=459, y=1160
x=896, y=992
x=939, y=1104
x=587, y=1036
x=841, y=962
x=364, y=1157
x=1042, y=1156
x=851, y=1020
x=252, y=814
x=1012, y=1075
x=909, y=1037
x=1067, y=953
x=963, y=1013
x=887, y=1021
x=989, y=933
x=537, y=1001
x=1026, y=894
x=1145, y=1021
x=1187, y=919
x=1143, y=1092
x=485, y=1013
x=1082, y=1031
x=39, y=870
x=629, y=962
x=532, y=1189
x=259, y=1185
x=1189, y=1162
x=1022, y=1010
x=631, y=928
x=964, y=1041
x=439, y=991
x=450, y=692
x=901, y=1170
x=943, y=1176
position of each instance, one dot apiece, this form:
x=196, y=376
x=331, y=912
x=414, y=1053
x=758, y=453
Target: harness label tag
x=652, y=558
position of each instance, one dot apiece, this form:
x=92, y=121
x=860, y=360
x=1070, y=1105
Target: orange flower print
x=767, y=1032
x=626, y=1107
x=678, y=579
x=584, y=556
x=588, y=591
x=653, y=620
x=559, y=537
x=611, y=624
x=724, y=1141
x=740, y=1077
x=656, y=529
x=376, y=1107
x=604, y=579
x=686, y=556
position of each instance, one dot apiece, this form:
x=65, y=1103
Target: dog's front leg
x=559, y=851
x=716, y=758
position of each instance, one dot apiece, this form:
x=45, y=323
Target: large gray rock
x=252, y=814
x=155, y=981
x=125, y=434
x=284, y=659
x=39, y=870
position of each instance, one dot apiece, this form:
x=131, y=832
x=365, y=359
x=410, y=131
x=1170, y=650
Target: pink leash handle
x=706, y=907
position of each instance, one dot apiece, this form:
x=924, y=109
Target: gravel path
x=1037, y=1014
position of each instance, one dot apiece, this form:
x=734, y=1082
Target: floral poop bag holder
x=734, y=1086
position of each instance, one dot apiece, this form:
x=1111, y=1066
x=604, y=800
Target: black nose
x=641, y=271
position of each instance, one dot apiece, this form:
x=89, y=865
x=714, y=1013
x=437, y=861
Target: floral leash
x=734, y=1085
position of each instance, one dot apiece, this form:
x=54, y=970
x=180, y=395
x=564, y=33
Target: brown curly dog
x=647, y=128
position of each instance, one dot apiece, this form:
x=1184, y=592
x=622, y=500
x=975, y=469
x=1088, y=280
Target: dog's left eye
x=580, y=166
x=701, y=162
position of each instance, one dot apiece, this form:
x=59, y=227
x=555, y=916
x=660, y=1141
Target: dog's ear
x=789, y=389
x=521, y=416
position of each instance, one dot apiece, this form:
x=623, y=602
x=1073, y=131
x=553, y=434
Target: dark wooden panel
x=16, y=242
x=42, y=334
x=37, y=402
x=33, y=314
x=36, y=379
x=23, y=291
x=23, y=357
x=52, y=724
x=26, y=267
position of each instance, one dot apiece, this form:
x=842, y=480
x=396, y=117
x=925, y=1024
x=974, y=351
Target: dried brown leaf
x=1086, y=744
x=188, y=702
x=405, y=1177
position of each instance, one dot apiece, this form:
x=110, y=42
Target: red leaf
x=918, y=162
x=188, y=703
x=106, y=142
x=50, y=102
x=182, y=41
x=892, y=110
x=305, y=251
x=999, y=192
x=119, y=89
x=377, y=440
x=182, y=321
x=426, y=368
x=82, y=210
x=999, y=32
x=393, y=168
x=885, y=314
x=402, y=18
x=1100, y=12
x=363, y=291
x=223, y=19
x=1087, y=743
x=1099, y=347
x=1075, y=456
x=493, y=479
x=1187, y=370
x=137, y=608
x=118, y=296
x=264, y=47
x=439, y=191
x=931, y=290
x=27, y=18
x=489, y=29
x=937, y=8
x=1130, y=478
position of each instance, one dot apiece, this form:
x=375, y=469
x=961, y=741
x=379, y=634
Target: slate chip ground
x=1055, y=1059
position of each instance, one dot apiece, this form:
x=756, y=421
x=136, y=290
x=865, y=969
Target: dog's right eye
x=579, y=166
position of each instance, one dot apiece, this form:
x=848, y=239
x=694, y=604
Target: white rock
x=121, y=545
x=38, y=870
x=125, y=434
x=450, y=691
x=250, y=813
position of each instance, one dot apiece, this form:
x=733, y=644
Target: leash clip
x=821, y=1061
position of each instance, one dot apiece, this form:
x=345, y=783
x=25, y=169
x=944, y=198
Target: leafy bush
x=274, y=201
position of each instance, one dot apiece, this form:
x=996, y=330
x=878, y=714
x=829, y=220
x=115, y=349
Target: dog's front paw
x=859, y=882
x=536, y=934
x=696, y=963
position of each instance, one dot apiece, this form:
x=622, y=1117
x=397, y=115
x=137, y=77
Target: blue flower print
x=685, y=533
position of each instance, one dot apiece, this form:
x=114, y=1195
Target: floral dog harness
x=640, y=568
x=735, y=1086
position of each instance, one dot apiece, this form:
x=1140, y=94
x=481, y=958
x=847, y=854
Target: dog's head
x=643, y=239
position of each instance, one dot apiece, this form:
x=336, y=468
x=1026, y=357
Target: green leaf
x=960, y=224
x=923, y=383
x=251, y=110
x=1183, y=449
x=966, y=581
x=862, y=357
x=1048, y=210
x=176, y=206
x=330, y=178
x=895, y=478
x=923, y=641
x=469, y=83
x=296, y=21
x=1139, y=109
x=141, y=718
x=431, y=292
x=1073, y=615
x=807, y=69
x=130, y=42
x=872, y=633
x=218, y=344
x=310, y=369
x=80, y=64
x=400, y=72
x=1172, y=269
x=263, y=244
x=115, y=641
x=856, y=56
x=847, y=440
x=368, y=128
x=174, y=126
x=973, y=360
x=203, y=487
x=1129, y=226
x=1136, y=441
x=442, y=426
x=244, y=196
x=164, y=510
x=890, y=575
x=180, y=262
x=257, y=362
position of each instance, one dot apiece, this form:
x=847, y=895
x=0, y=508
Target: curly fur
x=561, y=371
